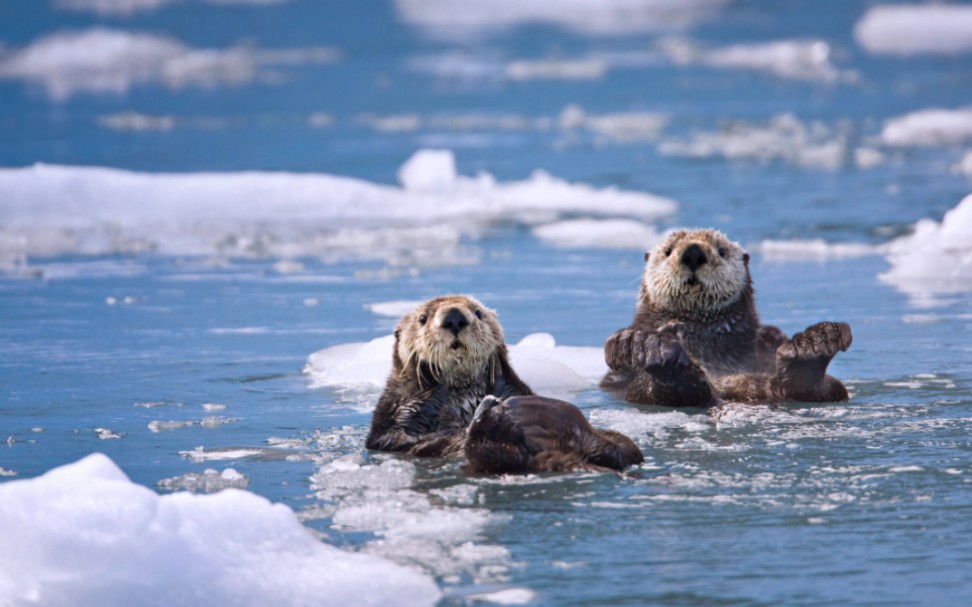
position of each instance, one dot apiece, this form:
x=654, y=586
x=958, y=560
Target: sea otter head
x=454, y=339
x=694, y=272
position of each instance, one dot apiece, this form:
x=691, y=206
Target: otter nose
x=694, y=257
x=455, y=321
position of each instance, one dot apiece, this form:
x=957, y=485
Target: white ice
x=784, y=138
x=929, y=127
x=799, y=59
x=84, y=534
x=815, y=250
x=936, y=257
x=546, y=367
x=105, y=60
x=127, y=8
x=916, y=29
x=599, y=233
x=460, y=20
x=441, y=532
x=51, y=210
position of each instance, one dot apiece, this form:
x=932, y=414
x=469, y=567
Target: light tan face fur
x=669, y=282
x=455, y=359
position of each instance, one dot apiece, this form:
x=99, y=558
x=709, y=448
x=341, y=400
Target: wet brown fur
x=697, y=339
x=536, y=434
x=438, y=378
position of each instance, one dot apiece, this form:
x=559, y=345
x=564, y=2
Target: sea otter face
x=695, y=270
x=455, y=336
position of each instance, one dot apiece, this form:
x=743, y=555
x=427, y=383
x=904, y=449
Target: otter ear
x=746, y=260
x=647, y=254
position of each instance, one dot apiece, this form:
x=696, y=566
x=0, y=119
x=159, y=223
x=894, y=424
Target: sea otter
x=448, y=355
x=452, y=392
x=697, y=340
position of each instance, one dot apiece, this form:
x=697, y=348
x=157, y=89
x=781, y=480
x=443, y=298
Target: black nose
x=455, y=321
x=693, y=257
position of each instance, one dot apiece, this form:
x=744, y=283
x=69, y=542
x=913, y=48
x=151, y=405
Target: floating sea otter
x=452, y=392
x=696, y=338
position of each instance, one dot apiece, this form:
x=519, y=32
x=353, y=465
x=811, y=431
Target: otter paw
x=663, y=351
x=483, y=407
x=820, y=341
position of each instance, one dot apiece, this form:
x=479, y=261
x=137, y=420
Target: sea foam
x=83, y=534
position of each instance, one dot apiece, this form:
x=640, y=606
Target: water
x=168, y=325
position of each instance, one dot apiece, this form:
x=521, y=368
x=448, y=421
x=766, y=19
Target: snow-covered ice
x=797, y=59
x=936, y=257
x=929, y=127
x=51, y=210
x=546, y=367
x=106, y=60
x=784, y=138
x=479, y=18
x=83, y=534
x=916, y=29
x=599, y=233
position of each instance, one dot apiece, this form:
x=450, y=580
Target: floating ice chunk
x=903, y=30
x=112, y=8
x=794, y=59
x=350, y=365
x=201, y=455
x=208, y=481
x=83, y=534
x=429, y=170
x=785, y=138
x=917, y=259
x=104, y=60
x=556, y=69
x=54, y=210
x=475, y=18
x=819, y=249
x=595, y=233
x=543, y=365
x=411, y=526
x=134, y=121
x=964, y=166
x=396, y=309
x=929, y=127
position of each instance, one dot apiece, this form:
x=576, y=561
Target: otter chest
x=458, y=409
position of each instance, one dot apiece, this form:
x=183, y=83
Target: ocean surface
x=214, y=212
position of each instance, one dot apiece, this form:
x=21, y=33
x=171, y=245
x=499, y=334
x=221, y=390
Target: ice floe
x=929, y=127
x=936, y=257
x=916, y=29
x=794, y=59
x=106, y=60
x=785, y=138
x=548, y=368
x=127, y=8
x=207, y=481
x=83, y=534
x=52, y=210
x=599, y=233
x=458, y=21
x=438, y=529
x=815, y=250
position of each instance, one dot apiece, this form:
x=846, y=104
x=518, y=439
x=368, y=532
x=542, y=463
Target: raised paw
x=483, y=407
x=821, y=341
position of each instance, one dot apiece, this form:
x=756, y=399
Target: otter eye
x=668, y=251
x=722, y=252
x=479, y=314
x=423, y=319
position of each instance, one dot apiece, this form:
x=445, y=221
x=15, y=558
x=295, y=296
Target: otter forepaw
x=821, y=341
x=801, y=363
x=484, y=405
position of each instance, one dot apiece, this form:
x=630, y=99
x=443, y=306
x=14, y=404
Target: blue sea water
x=165, y=358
